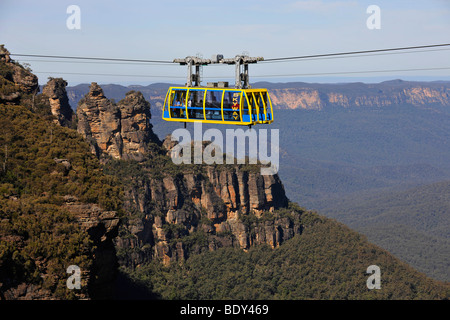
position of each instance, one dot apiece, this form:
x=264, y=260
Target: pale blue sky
x=164, y=30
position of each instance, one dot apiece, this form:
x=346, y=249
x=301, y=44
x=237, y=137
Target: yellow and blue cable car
x=218, y=105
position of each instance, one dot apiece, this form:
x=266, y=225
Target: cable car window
x=166, y=106
x=178, y=104
x=245, y=110
x=260, y=104
x=266, y=100
x=251, y=102
x=213, y=103
x=231, y=105
x=195, y=104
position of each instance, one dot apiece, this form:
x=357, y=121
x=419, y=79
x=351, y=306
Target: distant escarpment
x=312, y=96
x=389, y=93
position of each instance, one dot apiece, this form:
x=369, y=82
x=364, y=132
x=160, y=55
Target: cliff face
x=296, y=95
x=388, y=93
x=122, y=130
x=218, y=203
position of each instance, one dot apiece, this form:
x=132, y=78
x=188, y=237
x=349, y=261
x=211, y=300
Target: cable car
x=217, y=102
x=218, y=105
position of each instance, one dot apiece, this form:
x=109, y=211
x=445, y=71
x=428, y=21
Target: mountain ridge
x=311, y=96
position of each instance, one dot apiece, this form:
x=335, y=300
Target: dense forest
x=39, y=238
x=327, y=261
x=413, y=224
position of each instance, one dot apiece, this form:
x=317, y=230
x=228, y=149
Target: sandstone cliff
x=169, y=206
x=384, y=94
x=224, y=207
x=296, y=95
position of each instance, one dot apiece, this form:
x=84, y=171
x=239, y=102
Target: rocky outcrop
x=27, y=291
x=99, y=122
x=55, y=92
x=121, y=131
x=17, y=82
x=135, y=126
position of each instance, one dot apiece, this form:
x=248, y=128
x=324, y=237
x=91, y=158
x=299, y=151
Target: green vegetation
x=40, y=163
x=327, y=261
x=412, y=224
x=38, y=242
x=30, y=147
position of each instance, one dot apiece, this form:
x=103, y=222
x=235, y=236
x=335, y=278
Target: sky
x=164, y=30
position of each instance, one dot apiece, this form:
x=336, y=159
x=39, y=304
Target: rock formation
x=135, y=126
x=55, y=92
x=16, y=82
x=122, y=130
x=99, y=122
x=217, y=204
